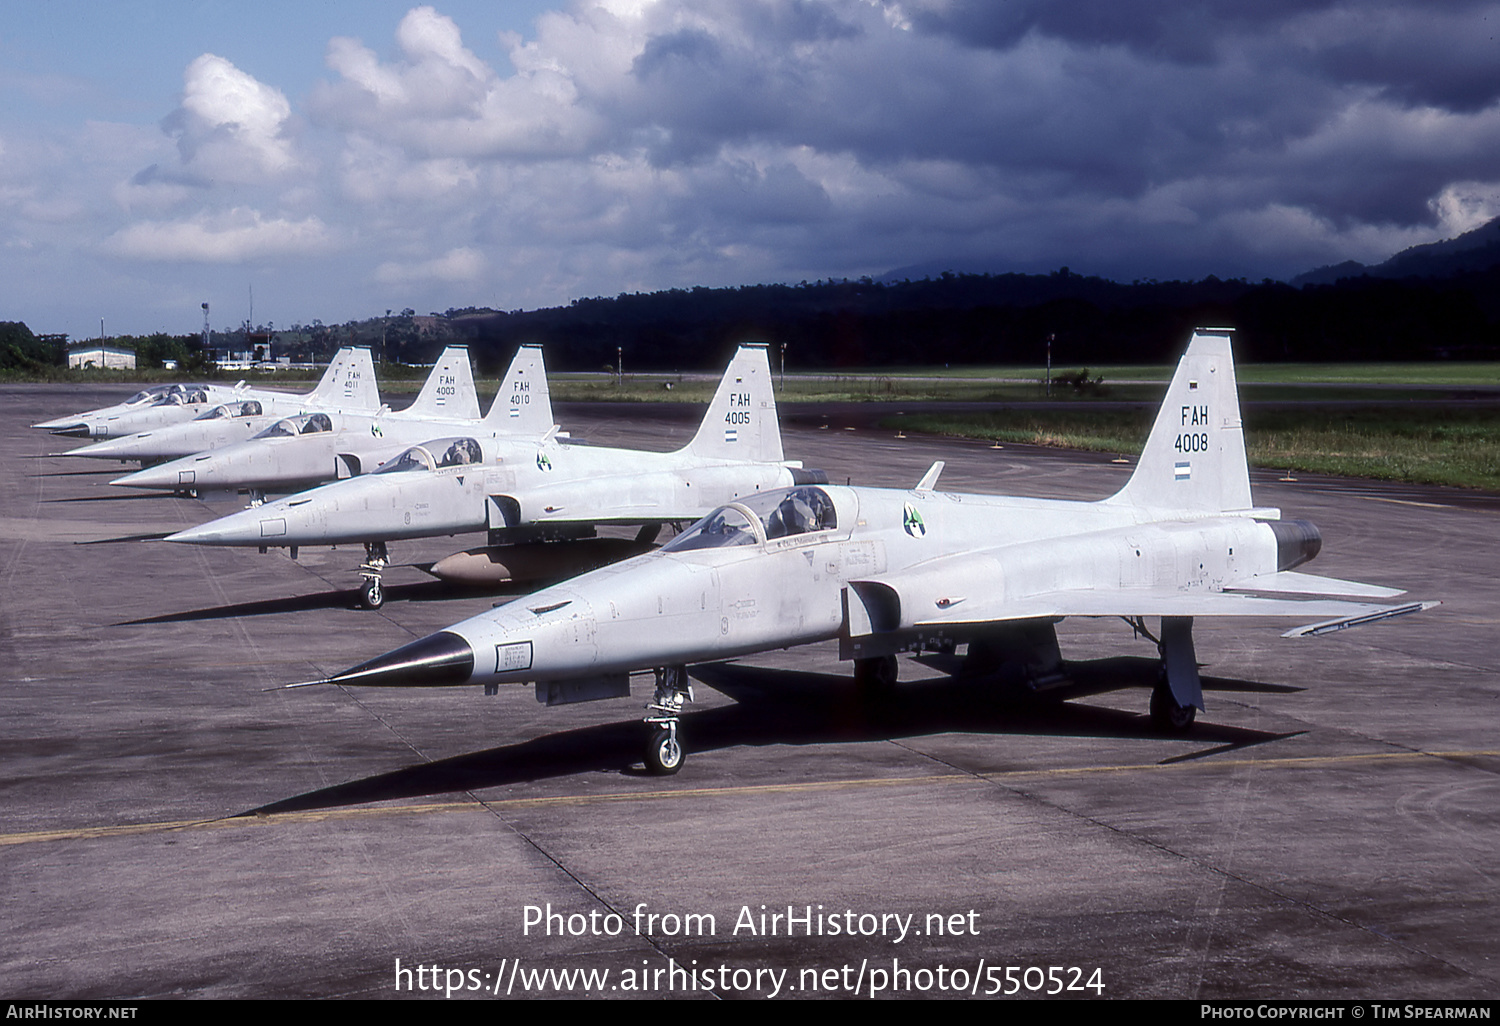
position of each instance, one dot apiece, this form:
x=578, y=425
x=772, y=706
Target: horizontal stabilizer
x=1290, y=582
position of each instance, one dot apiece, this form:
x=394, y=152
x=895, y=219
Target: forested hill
x=976, y=318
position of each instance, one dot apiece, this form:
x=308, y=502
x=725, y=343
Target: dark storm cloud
x=639, y=145
x=1338, y=109
x=1423, y=54
x=1188, y=31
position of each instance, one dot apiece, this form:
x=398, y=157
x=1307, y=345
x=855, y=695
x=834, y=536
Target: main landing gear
x=875, y=678
x=372, y=593
x=1166, y=715
x=1178, y=694
x=664, y=751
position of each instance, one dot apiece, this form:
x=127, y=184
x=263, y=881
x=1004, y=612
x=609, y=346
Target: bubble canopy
x=768, y=515
x=451, y=452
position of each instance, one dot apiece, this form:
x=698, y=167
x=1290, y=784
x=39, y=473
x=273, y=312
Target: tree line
x=950, y=319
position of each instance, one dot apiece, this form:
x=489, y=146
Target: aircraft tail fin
x=523, y=406
x=1194, y=459
x=348, y=382
x=448, y=391
x=741, y=420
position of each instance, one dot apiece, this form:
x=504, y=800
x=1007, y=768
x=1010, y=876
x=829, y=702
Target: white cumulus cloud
x=464, y=264
x=237, y=235
x=231, y=127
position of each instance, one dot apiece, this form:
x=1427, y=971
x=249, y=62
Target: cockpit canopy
x=461, y=452
x=309, y=424
x=179, y=396
x=415, y=458
x=451, y=452
x=248, y=408
x=153, y=394
x=779, y=514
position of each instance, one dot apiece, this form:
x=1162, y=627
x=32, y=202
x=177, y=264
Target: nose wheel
x=372, y=592
x=664, y=752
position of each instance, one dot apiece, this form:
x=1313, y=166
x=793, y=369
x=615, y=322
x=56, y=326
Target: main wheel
x=664, y=754
x=372, y=595
x=1167, y=715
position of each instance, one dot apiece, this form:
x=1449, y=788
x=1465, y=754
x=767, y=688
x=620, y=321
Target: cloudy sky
x=345, y=157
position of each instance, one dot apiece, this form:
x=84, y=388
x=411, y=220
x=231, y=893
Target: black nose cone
x=434, y=661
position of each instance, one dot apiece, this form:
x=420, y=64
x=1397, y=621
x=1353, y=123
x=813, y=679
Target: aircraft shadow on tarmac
x=423, y=591
x=792, y=707
x=104, y=498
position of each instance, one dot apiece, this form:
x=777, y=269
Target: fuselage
x=172, y=405
x=439, y=488
x=290, y=454
x=743, y=589
x=220, y=427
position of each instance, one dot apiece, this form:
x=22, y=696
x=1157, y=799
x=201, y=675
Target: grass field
x=1452, y=444
x=1374, y=430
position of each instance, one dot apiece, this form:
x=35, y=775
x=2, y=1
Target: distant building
x=103, y=356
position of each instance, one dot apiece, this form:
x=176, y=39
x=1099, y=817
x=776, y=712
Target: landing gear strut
x=1178, y=694
x=664, y=752
x=371, y=593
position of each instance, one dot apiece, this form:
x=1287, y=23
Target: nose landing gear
x=372, y=593
x=664, y=752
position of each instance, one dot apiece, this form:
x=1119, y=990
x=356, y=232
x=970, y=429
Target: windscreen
x=415, y=458
x=724, y=527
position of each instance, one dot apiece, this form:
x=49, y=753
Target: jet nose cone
x=437, y=660
x=151, y=477
x=200, y=535
x=65, y=426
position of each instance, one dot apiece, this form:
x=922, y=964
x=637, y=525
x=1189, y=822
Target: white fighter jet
x=541, y=501
x=303, y=451
x=349, y=383
x=884, y=571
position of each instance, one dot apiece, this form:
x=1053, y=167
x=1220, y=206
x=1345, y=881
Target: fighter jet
x=545, y=493
x=885, y=571
x=350, y=375
x=349, y=383
x=306, y=450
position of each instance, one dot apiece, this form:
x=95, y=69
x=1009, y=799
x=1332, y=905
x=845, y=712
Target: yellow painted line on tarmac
x=1409, y=502
x=470, y=805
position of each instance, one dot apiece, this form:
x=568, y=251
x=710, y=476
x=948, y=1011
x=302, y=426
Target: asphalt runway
x=169, y=827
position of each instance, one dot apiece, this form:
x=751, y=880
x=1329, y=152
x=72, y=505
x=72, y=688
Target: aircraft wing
x=961, y=591
x=1329, y=613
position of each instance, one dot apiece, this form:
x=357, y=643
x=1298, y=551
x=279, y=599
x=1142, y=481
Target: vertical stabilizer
x=741, y=421
x=449, y=390
x=348, y=383
x=523, y=406
x=1195, y=457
